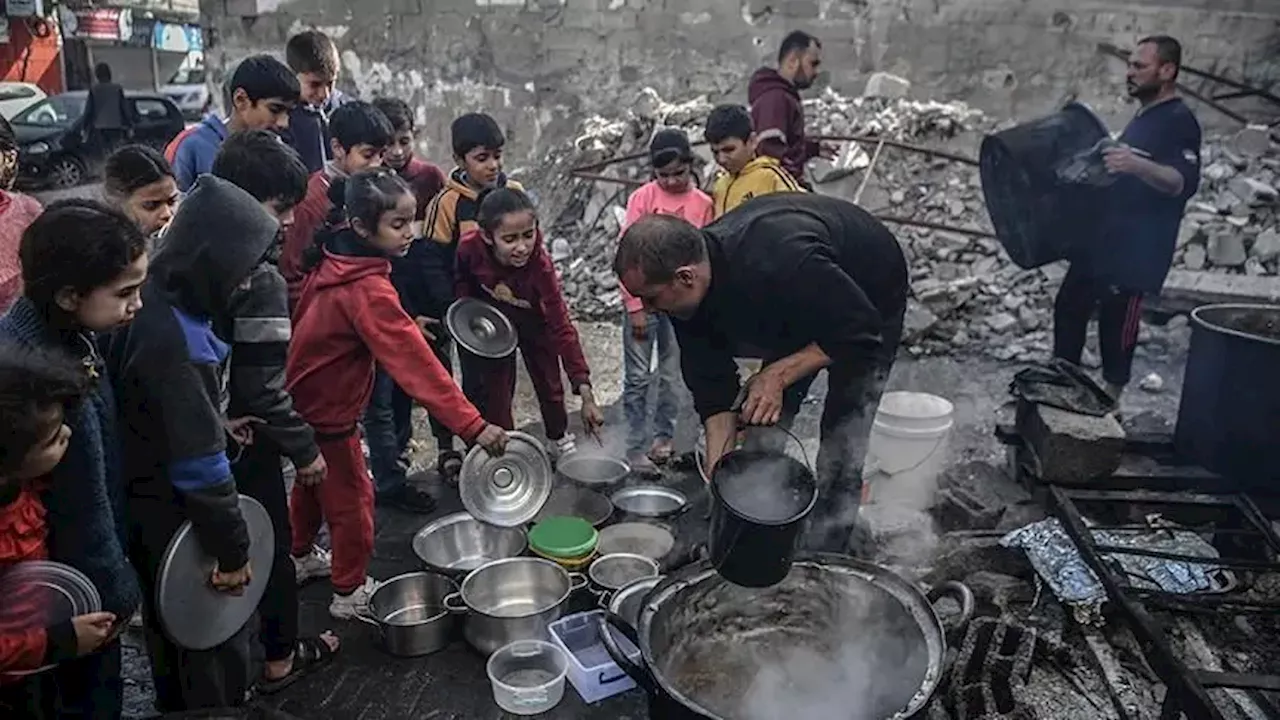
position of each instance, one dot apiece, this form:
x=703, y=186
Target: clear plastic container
x=591, y=671
x=527, y=676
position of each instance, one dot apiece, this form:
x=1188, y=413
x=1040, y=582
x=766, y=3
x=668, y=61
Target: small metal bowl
x=592, y=470
x=650, y=501
x=614, y=572
x=456, y=544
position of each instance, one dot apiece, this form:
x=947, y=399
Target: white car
x=18, y=96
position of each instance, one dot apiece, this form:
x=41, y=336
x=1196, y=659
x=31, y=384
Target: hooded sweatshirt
x=192, y=152
x=167, y=366
x=425, y=276
x=349, y=317
x=529, y=295
x=778, y=116
x=762, y=176
x=308, y=218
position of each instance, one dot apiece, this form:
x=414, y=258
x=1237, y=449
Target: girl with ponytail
x=347, y=319
x=505, y=262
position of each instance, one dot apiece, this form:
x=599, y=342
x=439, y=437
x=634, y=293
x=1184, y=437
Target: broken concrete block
x=1072, y=448
x=1002, y=322
x=885, y=85
x=1226, y=249
x=1254, y=267
x=1266, y=247
x=1217, y=172
x=1252, y=142
x=1253, y=192
x=917, y=321
x=1152, y=383
x=1189, y=232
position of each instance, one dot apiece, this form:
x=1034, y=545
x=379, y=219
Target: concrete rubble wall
x=539, y=65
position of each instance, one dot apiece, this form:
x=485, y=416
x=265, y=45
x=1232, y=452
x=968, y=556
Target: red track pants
x=345, y=499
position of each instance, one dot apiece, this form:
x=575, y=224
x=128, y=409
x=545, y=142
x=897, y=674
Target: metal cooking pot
x=456, y=544
x=592, y=470
x=410, y=613
x=838, y=637
x=512, y=599
x=610, y=573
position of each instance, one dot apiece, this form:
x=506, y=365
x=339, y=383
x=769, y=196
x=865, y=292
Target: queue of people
x=165, y=355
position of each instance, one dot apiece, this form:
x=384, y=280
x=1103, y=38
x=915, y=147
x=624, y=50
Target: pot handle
x=577, y=581
x=369, y=621
x=962, y=595
x=637, y=672
x=454, y=603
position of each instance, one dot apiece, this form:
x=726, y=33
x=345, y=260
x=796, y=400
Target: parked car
x=55, y=150
x=18, y=96
x=189, y=92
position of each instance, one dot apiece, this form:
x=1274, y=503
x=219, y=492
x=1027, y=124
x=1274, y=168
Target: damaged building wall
x=537, y=65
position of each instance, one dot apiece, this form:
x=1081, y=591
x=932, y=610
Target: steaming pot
x=837, y=638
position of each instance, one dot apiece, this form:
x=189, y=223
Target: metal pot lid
x=616, y=571
x=569, y=500
x=41, y=593
x=592, y=469
x=194, y=615
x=651, y=541
x=480, y=328
x=653, y=501
x=563, y=538
x=510, y=489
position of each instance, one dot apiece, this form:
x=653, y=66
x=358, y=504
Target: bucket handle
x=962, y=595
x=577, y=581
x=637, y=672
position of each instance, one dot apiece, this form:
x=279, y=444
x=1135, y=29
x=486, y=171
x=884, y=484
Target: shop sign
x=22, y=8
x=98, y=23
x=4, y=30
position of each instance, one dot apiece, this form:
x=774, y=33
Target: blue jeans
x=388, y=427
x=636, y=360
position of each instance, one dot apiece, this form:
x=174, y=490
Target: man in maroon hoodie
x=776, y=109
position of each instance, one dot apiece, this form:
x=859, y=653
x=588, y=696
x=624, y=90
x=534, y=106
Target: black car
x=54, y=149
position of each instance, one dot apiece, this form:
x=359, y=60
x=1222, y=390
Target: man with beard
x=776, y=110
x=1157, y=164
x=813, y=282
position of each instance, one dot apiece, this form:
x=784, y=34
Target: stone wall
x=539, y=65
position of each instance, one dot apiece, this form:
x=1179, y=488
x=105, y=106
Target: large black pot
x=1229, y=418
x=838, y=637
x=1038, y=218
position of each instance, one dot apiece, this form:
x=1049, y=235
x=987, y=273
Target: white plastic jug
x=908, y=448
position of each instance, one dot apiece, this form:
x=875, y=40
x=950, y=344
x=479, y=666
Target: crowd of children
x=162, y=355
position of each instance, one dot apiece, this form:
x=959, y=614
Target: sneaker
x=564, y=446
x=317, y=563
x=409, y=499
x=347, y=607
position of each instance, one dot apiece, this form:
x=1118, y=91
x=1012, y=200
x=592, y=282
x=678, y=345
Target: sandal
x=309, y=655
x=449, y=464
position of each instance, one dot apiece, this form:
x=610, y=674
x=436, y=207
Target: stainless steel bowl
x=456, y=544
x=513, y=599
x=613, y=572
x=409, y=612
x=579, y=502
x=651, y=501
x=592, y=470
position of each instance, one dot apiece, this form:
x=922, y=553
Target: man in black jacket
x=808, y=282
x=167, y=367
x=257, y=323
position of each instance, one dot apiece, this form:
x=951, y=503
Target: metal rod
x=866, y=177
x=1151, y=496
x=1254, y=515
x=606, y=178
x=1235, y=94
x=1191, y=559
x=1210, y=678
x=1213, y=104
x=1181, y=682
x=872, y=140
x=934, y=226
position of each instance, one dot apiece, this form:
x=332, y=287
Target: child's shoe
x=347, y=607
x=317, y=563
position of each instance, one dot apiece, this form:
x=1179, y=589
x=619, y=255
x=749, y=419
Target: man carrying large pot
x=812, y=281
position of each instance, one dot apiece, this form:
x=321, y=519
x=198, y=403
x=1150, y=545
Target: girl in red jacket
x=35, y=389
x=348, y=317
x=505, y=262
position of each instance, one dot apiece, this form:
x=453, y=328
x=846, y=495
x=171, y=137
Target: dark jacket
x=167, y=365
x=308, y=133
x=349, y=317
x=787, y=270
x=777, y=114
x=85, y=496
x=106, y=108
x=259, y=328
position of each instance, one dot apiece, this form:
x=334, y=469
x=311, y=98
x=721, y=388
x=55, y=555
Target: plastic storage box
x=591, y=671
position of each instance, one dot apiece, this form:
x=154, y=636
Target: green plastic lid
x=563, y=537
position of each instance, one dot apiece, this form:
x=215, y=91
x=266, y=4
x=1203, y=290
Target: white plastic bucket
x=908, y=446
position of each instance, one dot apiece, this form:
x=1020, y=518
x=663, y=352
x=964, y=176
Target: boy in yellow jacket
x=733, y=140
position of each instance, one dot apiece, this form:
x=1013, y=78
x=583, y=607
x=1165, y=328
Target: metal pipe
x=971, y=232
x=871, y=140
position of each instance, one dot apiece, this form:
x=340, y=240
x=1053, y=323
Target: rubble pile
x=968, y=294
x=1232, y=225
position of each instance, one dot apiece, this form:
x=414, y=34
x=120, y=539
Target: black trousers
x=443, y=347
x=259, y=476
x=1119, y=314
x=184, y=679
x=90, y=687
